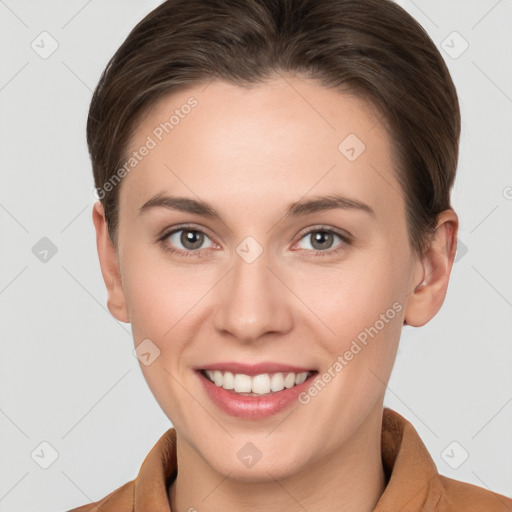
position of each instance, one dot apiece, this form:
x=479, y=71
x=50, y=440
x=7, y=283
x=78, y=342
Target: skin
x=250, y=153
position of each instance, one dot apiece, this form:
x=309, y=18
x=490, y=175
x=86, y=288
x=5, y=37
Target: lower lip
x=253, y=407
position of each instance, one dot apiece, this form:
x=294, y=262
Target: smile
x=263, y=384
x=234, y=393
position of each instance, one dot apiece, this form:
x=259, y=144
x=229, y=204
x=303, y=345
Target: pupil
x=191, y=239
x=322, y=236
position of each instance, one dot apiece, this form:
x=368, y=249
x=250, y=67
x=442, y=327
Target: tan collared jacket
x=413, y=482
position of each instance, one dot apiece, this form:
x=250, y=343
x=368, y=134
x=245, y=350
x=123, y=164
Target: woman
x=230, y=141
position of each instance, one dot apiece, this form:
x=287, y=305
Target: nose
x=252, y=301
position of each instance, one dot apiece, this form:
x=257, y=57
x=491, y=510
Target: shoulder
x=457, y=496
x=120, y=500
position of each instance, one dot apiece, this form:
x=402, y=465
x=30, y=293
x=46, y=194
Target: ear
x=433, y=272
x=107, y=253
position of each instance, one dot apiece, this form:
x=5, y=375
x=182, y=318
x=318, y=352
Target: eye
x=190, y=239
x=321, y=240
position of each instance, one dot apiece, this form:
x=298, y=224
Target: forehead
x=287, y=136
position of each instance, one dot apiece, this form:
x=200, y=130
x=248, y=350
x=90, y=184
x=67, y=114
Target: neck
x=351, y=479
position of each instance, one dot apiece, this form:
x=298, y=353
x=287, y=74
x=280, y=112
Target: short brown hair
x=370, y=48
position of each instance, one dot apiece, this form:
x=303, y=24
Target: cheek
x=163, y=300
x=361, y=301
x=163, y=297
x=361, y=309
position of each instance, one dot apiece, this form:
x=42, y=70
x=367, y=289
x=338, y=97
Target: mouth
x=264, y=384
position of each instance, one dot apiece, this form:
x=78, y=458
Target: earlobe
x=433, y=272
x=109, y=264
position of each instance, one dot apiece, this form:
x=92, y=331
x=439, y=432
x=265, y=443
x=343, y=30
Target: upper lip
x=254, y=369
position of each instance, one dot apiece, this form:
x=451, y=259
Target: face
x=263, y=277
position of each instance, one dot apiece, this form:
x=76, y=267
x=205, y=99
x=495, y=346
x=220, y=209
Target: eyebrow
x=296, y=209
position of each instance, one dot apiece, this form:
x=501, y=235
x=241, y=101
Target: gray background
x=68, y=376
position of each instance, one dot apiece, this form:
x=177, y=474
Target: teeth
x=259, y=384
x=242, y=383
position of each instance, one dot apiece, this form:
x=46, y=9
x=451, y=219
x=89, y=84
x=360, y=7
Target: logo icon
x=249, y=249
x=44, y=250
x=44, y=45
x=44, y=455
x=146, y=352
x=455, y=45
x=351, y=147
x=454, y=455
x=249, y=454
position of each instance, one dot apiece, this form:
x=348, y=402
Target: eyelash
x=323, y=229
